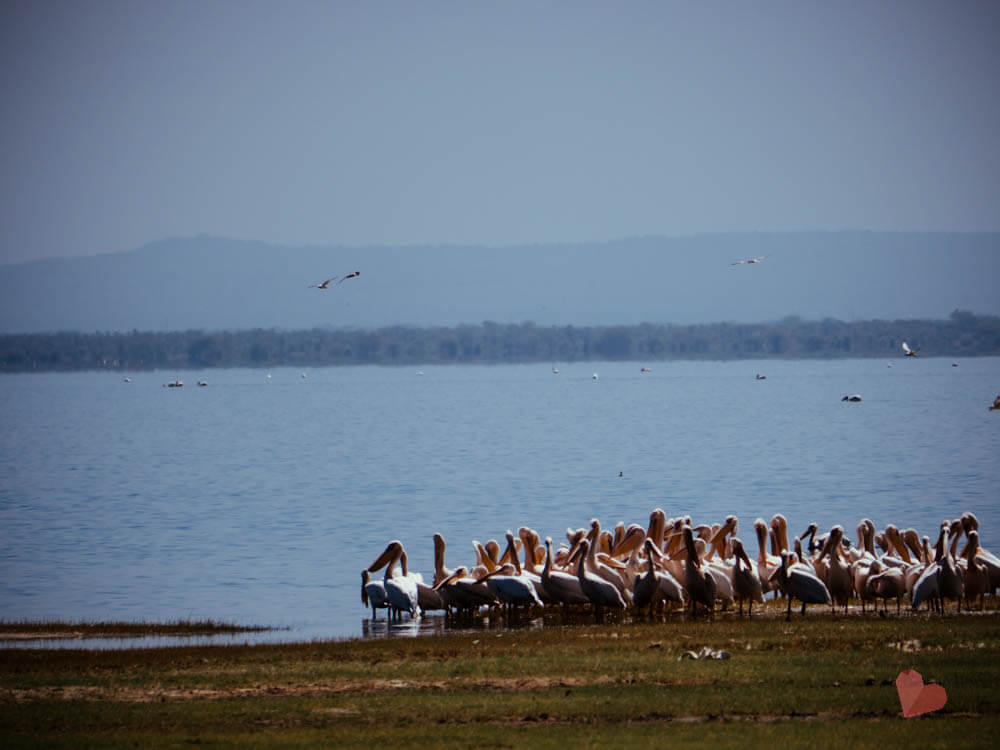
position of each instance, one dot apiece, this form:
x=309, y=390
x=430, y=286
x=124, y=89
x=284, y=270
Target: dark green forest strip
x=962, y=335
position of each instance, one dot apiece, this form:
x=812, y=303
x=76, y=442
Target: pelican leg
x=788, y=615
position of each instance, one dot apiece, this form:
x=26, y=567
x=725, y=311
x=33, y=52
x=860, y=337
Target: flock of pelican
x=673, y=564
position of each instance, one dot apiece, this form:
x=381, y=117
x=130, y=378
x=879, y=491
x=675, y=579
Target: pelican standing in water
x=401, y=591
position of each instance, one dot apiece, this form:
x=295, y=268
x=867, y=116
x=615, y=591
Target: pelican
x=555, y=370
x=594, y=376
x=800, y=582
x=509, y=582
x=838, y=578
x=889, y=583
x=767, y=564
x=748, y=261
x=951, y=582
x=373, y=592
x=601, y=593
x=746, y=580
x=462, y=591
x=699, y=584
x=655, y=585
x=511, y=587
x=853, y=397
x=908, y=352
x=401, y=591
x=977, y=576
x=440, y=571
x=644, y=370
x=129, y=380
x=561, y=587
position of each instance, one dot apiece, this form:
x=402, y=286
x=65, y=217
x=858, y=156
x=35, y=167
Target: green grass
x=50, y=629
x=825, y=676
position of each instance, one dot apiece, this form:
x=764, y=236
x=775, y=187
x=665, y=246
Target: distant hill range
x=212, y=284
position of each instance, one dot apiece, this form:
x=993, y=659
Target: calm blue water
x=260, y=500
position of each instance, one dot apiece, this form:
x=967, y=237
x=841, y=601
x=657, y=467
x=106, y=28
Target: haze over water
x=259, y=500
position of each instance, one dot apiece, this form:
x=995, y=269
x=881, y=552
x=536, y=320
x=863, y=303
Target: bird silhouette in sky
x=338, y=279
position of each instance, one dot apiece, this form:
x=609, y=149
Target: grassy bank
x=824, y=677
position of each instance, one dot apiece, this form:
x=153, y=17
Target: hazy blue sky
x=491, y=123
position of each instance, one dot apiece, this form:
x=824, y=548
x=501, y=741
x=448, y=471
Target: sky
x=490, y=123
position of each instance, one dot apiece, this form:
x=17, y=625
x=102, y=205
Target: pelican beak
x=382, y=560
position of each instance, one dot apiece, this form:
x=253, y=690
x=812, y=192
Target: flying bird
x=324, y=285
x=908, y=352
x=338, y=279
x=748, y=261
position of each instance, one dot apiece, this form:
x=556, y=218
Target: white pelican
x=853, y=397
x=373, y=592
x=644, y=370
x=767, y=564
x=977, y=577
x=745, y=578
x=440, y=571
x=800, y=582
x=908, y=352
x=510, y=587
x=594, y=376
x=748, y=261
x=555, y=370
x=402, y=590
x=699, y=584
x=951, y=582
x=600, y=592
x=129, y=380
x=463, y=592
x=838, y=577
x=561, y=587
x=887, y=584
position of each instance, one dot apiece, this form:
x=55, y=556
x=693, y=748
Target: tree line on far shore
x=963, y=334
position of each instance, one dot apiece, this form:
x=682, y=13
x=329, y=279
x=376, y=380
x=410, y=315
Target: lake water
x=258, y=500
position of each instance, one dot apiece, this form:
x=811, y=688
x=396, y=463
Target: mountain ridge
x=216, y=283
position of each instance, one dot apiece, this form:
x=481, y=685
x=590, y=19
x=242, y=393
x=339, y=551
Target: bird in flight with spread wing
x=748, y=261
x=338, y=279
x=908, y=352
